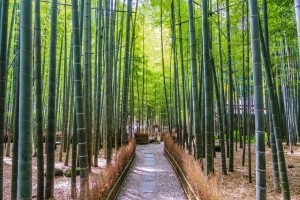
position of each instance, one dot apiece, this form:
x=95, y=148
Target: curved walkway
x=151, y=177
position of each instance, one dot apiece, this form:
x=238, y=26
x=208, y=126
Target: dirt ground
x=62, y=184
x=235, y=185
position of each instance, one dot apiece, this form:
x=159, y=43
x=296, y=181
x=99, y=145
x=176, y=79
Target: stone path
x=151, y=177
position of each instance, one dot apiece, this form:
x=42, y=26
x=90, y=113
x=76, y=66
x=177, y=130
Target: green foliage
x=281, y=14
x=236, y=135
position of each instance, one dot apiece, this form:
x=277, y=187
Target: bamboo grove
x=219, y=72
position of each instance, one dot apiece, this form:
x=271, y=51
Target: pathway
x=151, y=177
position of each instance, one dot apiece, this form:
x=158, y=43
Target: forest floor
x=235, y=186
x=62, y=184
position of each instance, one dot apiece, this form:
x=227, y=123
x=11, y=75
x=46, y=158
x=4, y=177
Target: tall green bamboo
x=143, y=79
x=118, y=58
x=209, y=164
x=275, y=170
x=66, y=87
x=132, y=69
x=297, y=10
x=39, y=106
x=95, y=96
x=275, y=119
x=9, y=119
x=51, y=129
x=70, y=106
x=220, y=120
x=177, y=102
x=222, y=95
x=99, y=81
x=24, y=187
x=113, y=65
x=230, y=90
x=194, y=82
x=3, y=82
x=131, y=90
x=11, y=31
x=171, y=111
x=249, y=105
x=58, y=97
x=81, y=18
x=258, y=102
x=163, y=68
x=108, y=86
x=184, y=123
x=81, y=134
x=125, y=91
x=86, y=71
x=74, y=156
x=244, y=111
x=11, y=28
x=14, y=168
x=45, y=81
x=191, y=121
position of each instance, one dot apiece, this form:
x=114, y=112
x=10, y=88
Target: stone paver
x=147, y=186
x=148, y=155
x=149, y=161
x=149, y=176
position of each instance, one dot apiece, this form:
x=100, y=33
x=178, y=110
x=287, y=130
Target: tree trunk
x=258, y=103
x=24, y=186
x=208, y=98
x=51, y=132
x=163, y=68
x=14, y=170
x=194, y=82
x=87, y=77
x=3, y=82
x=81, y=134
x=297, y=10
x=126, y=75
x=39, y=106
x=275, y=119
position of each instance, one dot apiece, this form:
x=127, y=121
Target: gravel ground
x=151, y=176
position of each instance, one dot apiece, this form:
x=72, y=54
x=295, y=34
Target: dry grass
x=205, y=187
x=163, y=135
x=103, y=182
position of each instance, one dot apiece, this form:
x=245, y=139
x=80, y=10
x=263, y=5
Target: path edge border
x=118, y=184
x=188, y=190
